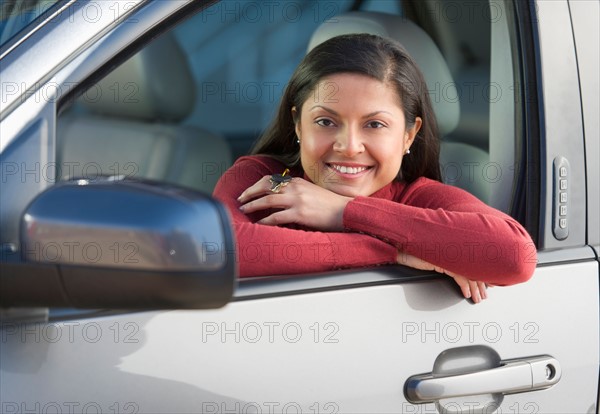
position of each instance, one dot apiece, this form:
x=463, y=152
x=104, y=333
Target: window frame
x=24, y=31
x=270, y=286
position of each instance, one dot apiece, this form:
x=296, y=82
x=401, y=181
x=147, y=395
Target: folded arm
x=273, y=250
x=450, y=229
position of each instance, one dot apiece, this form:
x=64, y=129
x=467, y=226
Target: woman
x=348, y=176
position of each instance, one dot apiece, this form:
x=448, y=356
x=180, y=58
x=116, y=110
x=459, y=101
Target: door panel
x=349, y=350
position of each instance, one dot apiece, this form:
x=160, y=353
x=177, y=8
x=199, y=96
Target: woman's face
x=352, y=134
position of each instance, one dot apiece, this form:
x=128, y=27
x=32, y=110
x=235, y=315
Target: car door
x=364, y=340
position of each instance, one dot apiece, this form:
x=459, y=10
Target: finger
x=266, y=202
x=261, y=187
x=475, y=293
x=479, y=291
x=279, y=218
x=483, y=290
x=464, y=286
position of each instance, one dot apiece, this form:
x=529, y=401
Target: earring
x=407, y=152
x=298, y=140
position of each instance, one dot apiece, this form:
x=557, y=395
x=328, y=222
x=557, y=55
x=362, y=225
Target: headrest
x=441, y=86
x=154, y=84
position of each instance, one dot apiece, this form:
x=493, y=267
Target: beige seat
x=130, y=124
x=456, y=158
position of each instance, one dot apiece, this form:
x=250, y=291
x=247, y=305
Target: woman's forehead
x=332, y=88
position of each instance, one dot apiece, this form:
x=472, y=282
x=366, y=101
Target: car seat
x=129, y=124
x=455, y=157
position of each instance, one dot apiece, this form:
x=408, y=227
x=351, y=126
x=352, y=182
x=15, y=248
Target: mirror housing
x=122, y=244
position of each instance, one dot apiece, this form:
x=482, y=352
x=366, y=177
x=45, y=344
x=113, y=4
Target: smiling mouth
x=343, y=169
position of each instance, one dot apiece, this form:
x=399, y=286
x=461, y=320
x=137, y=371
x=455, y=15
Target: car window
x=188, y=104
x=16, y=15
x=192, y=101
x=478, y=42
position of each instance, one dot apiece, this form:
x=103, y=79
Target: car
x=119, y=287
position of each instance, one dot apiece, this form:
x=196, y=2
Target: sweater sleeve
x=450, y=228
x=263, y=250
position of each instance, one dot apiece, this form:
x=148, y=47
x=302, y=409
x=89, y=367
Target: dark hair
x=374, y=56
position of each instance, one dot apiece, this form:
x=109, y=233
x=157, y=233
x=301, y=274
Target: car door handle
x=512, y=376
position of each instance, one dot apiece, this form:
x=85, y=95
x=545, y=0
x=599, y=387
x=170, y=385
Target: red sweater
x=438, y=223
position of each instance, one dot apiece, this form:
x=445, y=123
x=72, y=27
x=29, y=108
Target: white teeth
x=348, y=170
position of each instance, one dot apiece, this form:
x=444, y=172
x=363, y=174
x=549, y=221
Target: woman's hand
x=470, y=288
x=301, y=202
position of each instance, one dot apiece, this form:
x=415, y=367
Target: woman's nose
x=349, y=142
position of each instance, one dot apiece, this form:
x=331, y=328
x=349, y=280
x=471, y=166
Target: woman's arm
x=269, y=250
x=449, y=229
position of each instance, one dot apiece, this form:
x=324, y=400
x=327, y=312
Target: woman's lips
x=349, y=170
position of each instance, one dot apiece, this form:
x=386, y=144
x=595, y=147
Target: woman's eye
x=375, y=124
x=325, y=122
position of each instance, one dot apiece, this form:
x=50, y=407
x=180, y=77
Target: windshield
x=16, y=15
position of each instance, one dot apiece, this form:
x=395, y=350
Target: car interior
x=189, y=103
x=140, y=133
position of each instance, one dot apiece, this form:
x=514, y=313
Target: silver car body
x=341, y=342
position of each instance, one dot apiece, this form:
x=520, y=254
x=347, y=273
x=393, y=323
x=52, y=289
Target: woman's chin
x=347, y=190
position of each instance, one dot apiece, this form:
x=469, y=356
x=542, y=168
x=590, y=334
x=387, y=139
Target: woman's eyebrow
x=364, y=116
x=325, y=108
x=376, y=113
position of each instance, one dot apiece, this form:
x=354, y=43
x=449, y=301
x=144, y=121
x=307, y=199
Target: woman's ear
x=296, y=119
x=411, y=133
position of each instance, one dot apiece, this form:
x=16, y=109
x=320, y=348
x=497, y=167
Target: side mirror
x=122, y=245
